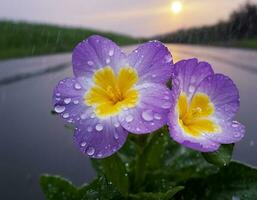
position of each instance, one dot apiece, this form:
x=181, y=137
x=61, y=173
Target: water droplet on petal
x=154, y=75
x=168, y=58
x=191, y=88
x=111, y=52
x=166, y=105
x=138, y=129
x=77, y=86
x=116, y=124
x=147, y=115
x=99, y=127
x=83, y=116
x=75, y=101
x=59, y=109
x=129, y=118
x=89, y=129
x=90, y=62
x=65, y=115
x=157, y=116
x=108, y=60
x=90, y=151
x=92, y=116
x=166, y=97
x=67, y=100
x=116, y=135
x=83, y=144
x=58, y=94
x=235, y=124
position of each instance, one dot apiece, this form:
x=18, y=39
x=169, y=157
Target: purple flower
x=204, y=104
x=113, y=94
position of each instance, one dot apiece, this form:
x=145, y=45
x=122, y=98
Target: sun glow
x=176, y=7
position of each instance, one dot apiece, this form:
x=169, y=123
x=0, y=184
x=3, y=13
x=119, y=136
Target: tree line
x=242, y=24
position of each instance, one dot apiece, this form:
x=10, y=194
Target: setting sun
x=176, y=7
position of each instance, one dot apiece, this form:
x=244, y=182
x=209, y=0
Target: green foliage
x=221, y=157
x=236, y=180
x=58, y=188
x=153, y=167
x=24, y=39
x=114, y=170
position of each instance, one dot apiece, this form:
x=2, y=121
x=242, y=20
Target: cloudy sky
x=132, y=17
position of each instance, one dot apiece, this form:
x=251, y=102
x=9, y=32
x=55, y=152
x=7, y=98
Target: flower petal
x=151, y=112
x=94, y=53
x=232, y=131
x=68, y=99
x=152, y=61
x=223, y=94
x=100, y=138
x=190, y=73
x=200, y=143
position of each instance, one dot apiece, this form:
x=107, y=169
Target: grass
x=20, y=39
x=246, y=43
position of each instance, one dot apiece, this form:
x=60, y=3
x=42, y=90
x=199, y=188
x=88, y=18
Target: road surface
x=33, y=141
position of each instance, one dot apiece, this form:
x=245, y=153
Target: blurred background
x=36, y=41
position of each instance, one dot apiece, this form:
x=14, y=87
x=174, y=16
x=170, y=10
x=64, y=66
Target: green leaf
x=221, y=157
x=114, y=170
x=57, y=188
x=182, y=163
x=235, y=181
x=100, y=188
x=157, y=196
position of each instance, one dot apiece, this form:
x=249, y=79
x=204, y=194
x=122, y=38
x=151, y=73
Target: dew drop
x=138, y=129
x=90, y=151
x=99, y=127
x=116, y=124
x=75, y=101
x=129, y=118
x=116, y=135
x=92, y=116
x=147, y=115
x=65, y=115
x=89, y=129
x=83, y=116
x=83, y=144
x=168, y=58
x=59, y=109
x=57, y=99
x=235, y=124
x=157, y=116
x=77, y=86
x=90, y=62
x=67, y=100
x=111, y=52
x=58, y=94
x=108, y=60
x=166, y=105
x=166, y=97
x=191, y=88
x=154, y=75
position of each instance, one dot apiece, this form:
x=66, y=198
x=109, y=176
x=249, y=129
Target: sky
x=139, y=18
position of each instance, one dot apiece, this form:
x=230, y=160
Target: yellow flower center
x=195, y=117
x=111, y=93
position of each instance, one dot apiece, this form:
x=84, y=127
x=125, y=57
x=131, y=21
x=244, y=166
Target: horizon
x=121, y=17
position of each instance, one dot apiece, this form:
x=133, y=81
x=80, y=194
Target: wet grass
x=20, y=39
x=246, y=43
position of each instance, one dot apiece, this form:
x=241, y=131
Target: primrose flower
x=203, y=106
x=113, y=94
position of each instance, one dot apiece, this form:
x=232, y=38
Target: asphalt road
x=34, y=142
